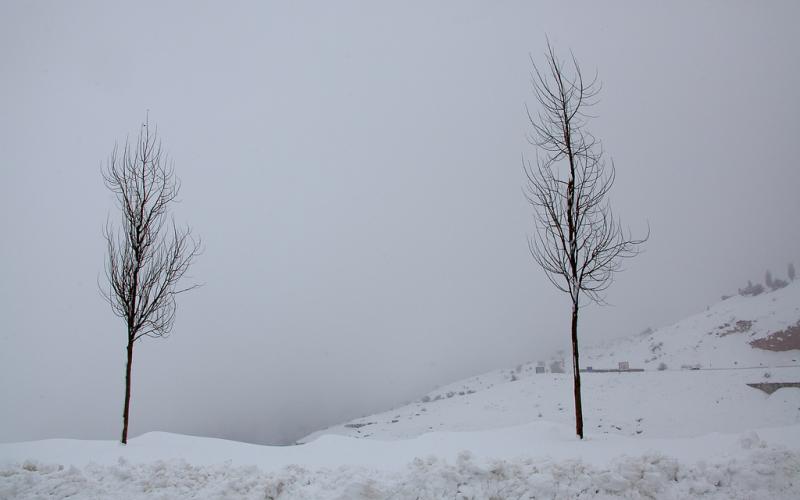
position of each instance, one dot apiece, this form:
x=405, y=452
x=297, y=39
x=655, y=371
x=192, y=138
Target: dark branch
x=579, y=244
x=148, y=254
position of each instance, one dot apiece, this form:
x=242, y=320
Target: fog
x=355, y=172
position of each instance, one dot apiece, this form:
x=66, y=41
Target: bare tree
x=578, y=243
x=148, y=254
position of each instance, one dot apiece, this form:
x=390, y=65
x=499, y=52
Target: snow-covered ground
x=538, y=460
x=659, y=433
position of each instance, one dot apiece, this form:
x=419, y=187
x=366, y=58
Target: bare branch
x=578, y=239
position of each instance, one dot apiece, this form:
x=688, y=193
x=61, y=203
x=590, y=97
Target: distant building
x=622, y=366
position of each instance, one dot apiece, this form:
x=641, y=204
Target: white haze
x=354, y=169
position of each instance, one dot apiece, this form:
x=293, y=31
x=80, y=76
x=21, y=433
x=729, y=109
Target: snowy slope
x=654, y=404
x=650, y=403
x=717, y=338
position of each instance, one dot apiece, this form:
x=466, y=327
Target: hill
x=740, y=331
x=705, y=361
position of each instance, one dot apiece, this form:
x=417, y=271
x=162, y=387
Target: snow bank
x=535, y=460
x=757, y=473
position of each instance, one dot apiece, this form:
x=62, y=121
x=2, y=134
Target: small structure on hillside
x=622, y=366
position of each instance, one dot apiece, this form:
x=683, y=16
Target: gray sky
x=355, y=173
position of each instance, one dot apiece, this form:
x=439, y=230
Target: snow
x=506, y=434
x=716, y=338
x=538, y=459
x=648, y=404
x=652, y=403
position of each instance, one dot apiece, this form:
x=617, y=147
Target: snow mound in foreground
x=540, y=460
x=756, y=473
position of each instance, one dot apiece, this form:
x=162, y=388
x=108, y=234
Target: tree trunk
x=127, y=394
x=576, y=373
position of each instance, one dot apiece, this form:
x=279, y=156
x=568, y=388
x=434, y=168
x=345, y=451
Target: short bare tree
x=578, y=242
x=148, y=253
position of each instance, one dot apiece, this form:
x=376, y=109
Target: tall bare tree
x=148, y=253
x=578, y=242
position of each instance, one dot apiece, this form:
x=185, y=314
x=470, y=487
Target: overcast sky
x=355, y=173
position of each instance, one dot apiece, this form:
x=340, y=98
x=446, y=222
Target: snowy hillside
x=652, y=404
x=648, y=403
x=717, y=338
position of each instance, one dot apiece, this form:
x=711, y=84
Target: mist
x=355, y=173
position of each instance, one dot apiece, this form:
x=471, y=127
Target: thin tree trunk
x=576, y=373
x=127, y=394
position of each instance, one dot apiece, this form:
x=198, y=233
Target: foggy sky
x=355, y=172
